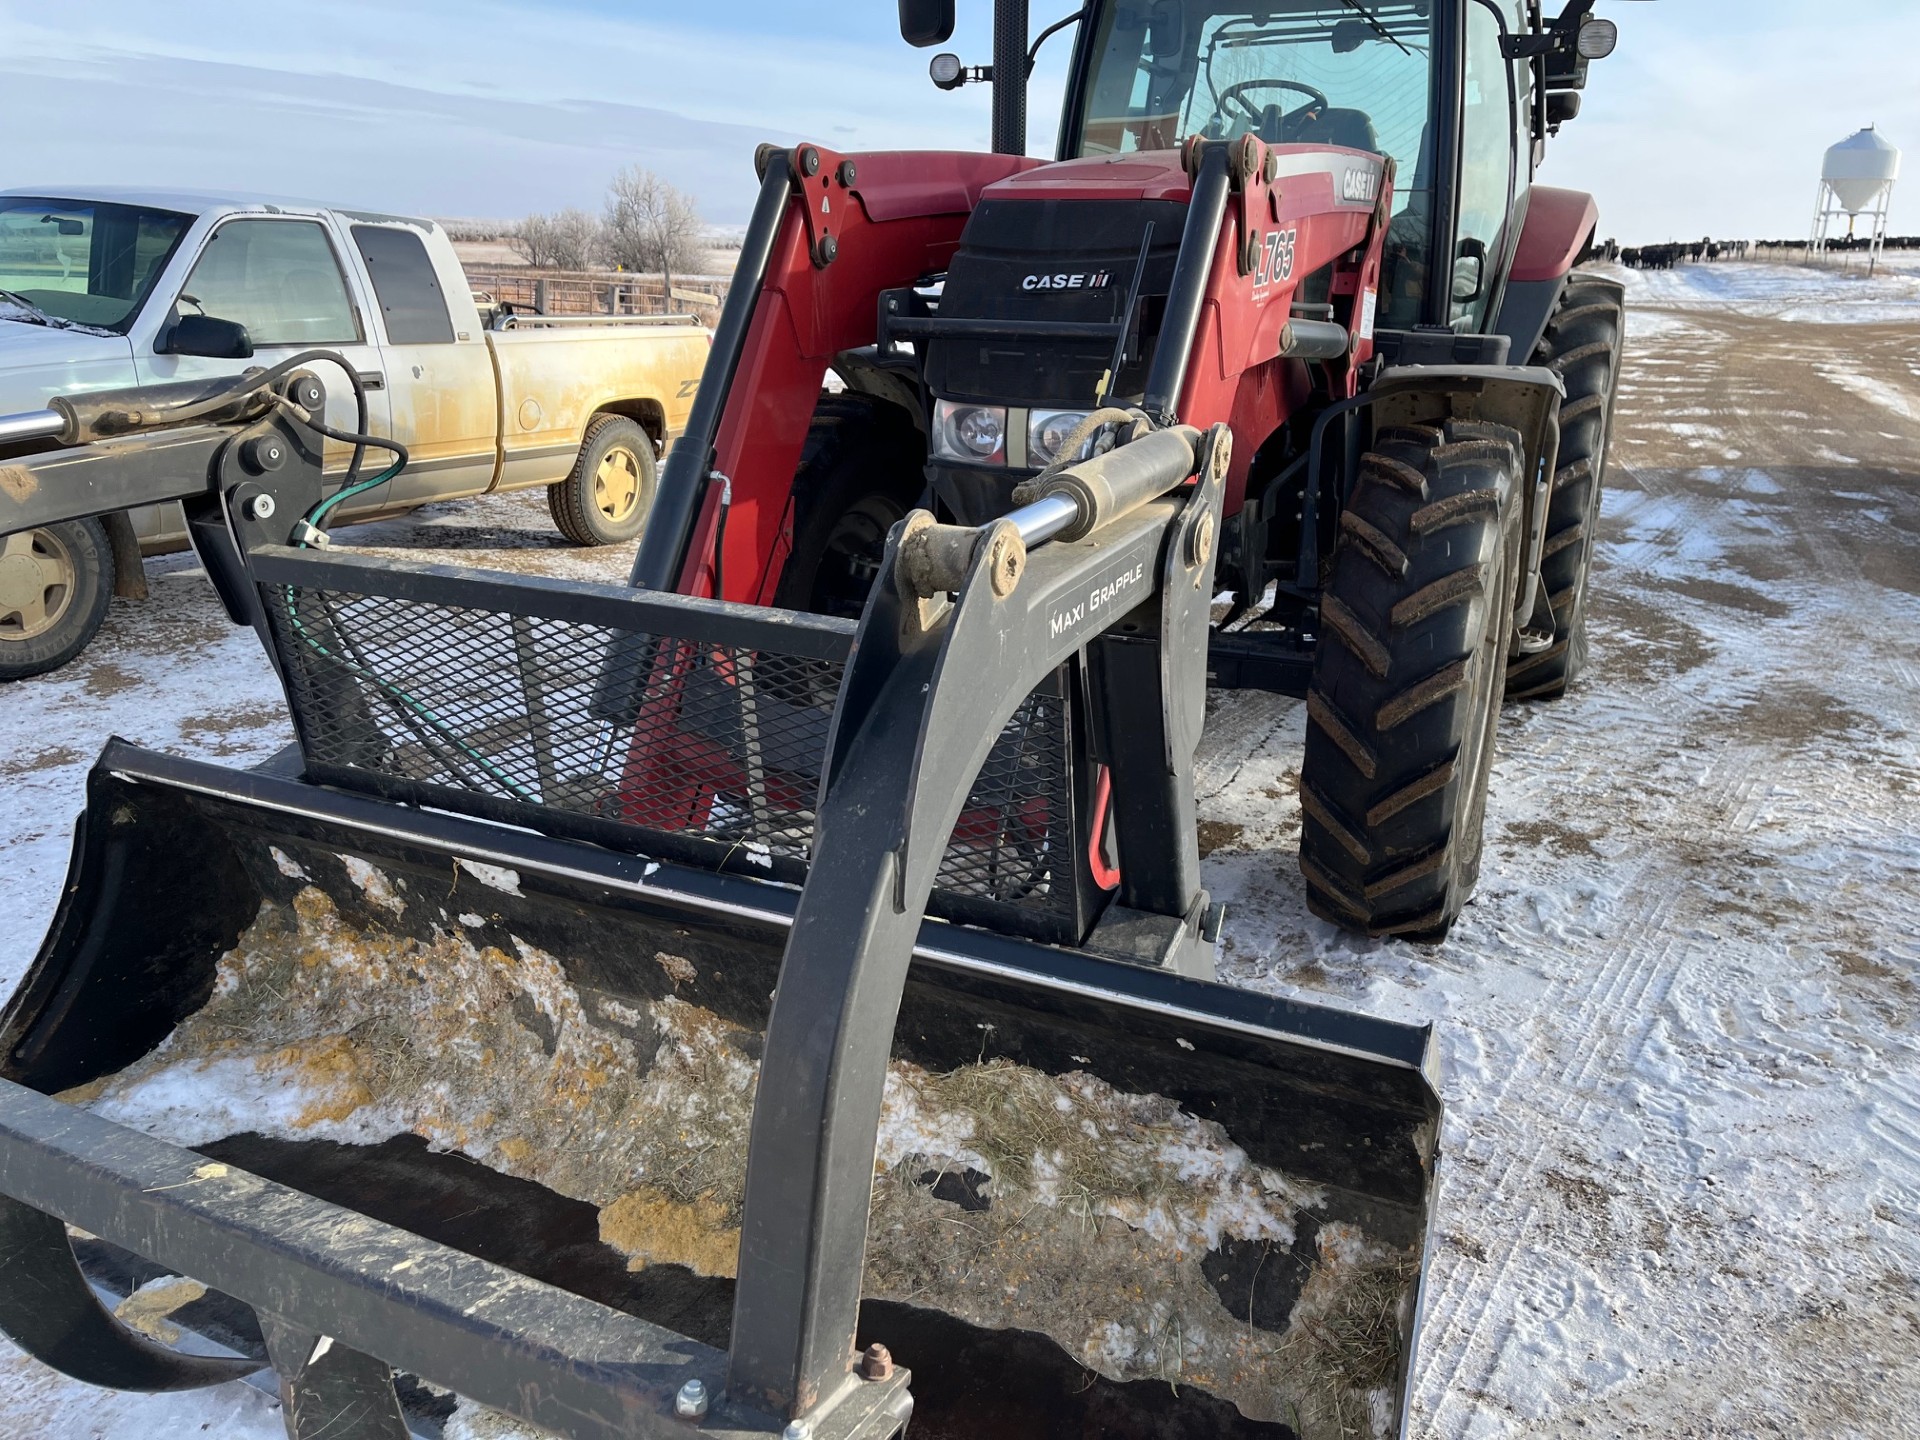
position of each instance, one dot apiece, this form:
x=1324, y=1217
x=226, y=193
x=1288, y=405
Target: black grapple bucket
x=492, y=1039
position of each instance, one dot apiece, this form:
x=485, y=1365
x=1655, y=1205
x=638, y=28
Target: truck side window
x=279, y=278
x=408, y=290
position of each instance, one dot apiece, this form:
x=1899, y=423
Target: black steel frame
x=931, y=678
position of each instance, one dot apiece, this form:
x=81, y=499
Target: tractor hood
x=1142, y=175
x=1060, y=243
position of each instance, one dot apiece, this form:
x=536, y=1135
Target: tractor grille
x=549, y=705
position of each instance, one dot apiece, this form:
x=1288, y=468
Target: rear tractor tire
x=1582, y=345
x=1404, y=702
x=55, y=585
x=605, y=498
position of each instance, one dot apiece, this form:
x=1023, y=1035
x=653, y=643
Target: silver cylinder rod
x=30, y=425
x=1045, y=518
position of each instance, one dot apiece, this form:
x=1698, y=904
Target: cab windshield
x=1348, y=73
x=71, y=262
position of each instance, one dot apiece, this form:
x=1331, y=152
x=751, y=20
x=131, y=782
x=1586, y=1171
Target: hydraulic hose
x=106, y=413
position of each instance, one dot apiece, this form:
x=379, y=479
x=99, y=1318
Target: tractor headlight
x=973, y=433
x=1048, y=430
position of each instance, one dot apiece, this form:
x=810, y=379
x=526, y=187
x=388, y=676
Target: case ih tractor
x=1314, y=223
x=803, y=949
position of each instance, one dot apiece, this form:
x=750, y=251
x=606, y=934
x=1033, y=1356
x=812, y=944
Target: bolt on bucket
x=1105, y=1201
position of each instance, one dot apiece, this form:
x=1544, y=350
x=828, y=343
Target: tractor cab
x=1459, y=94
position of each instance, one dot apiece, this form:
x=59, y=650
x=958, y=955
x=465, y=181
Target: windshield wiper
x=34, y=312
x=1374, y=21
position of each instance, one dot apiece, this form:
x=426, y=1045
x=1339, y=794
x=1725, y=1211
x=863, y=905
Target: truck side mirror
x=208, y=337
x=926, y=22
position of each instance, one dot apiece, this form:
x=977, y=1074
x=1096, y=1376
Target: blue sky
x=1710, y=119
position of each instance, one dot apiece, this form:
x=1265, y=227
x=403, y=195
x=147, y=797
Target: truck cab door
x=442, y=387
x=281, y=277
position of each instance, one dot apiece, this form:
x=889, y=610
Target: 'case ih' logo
x=1360, y=186
x=1078, y=280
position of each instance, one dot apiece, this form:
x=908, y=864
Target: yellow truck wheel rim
x=36, y=584
x=616, y=484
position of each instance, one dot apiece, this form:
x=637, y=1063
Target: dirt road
x=1681, y=1185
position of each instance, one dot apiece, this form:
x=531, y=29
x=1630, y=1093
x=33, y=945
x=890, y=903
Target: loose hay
x=1004, y=1195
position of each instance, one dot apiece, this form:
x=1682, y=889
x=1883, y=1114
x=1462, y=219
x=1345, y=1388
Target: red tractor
x=1313, y=221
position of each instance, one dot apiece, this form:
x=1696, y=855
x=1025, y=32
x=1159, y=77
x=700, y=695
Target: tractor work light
x=976, y=434
x=1048, y=430
x=947, y=71
x=1597, y=38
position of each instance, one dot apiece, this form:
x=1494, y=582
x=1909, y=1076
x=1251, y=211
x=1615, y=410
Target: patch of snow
x=495, y=877
x=374, y=884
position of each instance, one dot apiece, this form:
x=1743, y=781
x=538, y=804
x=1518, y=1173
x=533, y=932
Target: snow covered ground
x=1681, y=1182
x=1839, y=293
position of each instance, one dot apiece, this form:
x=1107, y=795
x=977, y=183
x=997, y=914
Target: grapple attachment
x=565, y=1024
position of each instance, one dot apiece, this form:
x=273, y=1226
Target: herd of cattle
x=1665, y=257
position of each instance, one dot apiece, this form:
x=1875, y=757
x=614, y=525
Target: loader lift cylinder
x=1206, y=212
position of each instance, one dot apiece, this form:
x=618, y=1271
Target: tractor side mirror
x=926, y=22
x=1470, y=271
x=209, y=338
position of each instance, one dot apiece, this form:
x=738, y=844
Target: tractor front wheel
x=861, y=470
x=1415, y=621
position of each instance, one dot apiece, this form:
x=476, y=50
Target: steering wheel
x=1236, y=95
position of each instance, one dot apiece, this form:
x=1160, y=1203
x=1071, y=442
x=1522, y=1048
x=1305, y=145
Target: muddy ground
x=1681, y=1186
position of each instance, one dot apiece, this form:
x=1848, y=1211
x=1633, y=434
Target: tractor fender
x=1524, y=397
x=1558, y=226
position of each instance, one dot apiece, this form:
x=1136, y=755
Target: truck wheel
x=1405, y=696
x=860, y=472
x=605, y=500
x=55, y=584
x=1582, y=345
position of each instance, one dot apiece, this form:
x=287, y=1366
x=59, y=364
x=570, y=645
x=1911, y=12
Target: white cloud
x=1710, y=119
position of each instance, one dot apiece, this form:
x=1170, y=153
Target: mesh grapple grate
x=703, y=751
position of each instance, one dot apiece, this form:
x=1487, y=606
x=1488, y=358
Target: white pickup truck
x=105, y=288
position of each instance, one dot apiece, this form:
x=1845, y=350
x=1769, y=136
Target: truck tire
x=55, y=585
x=606, y=497
x=861, y=470
x=1582, y=345
x=1404, y=702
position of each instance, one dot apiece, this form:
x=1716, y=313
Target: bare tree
x=651, y=226
x=533, y=240
x=576, y=239
x=565, y=240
